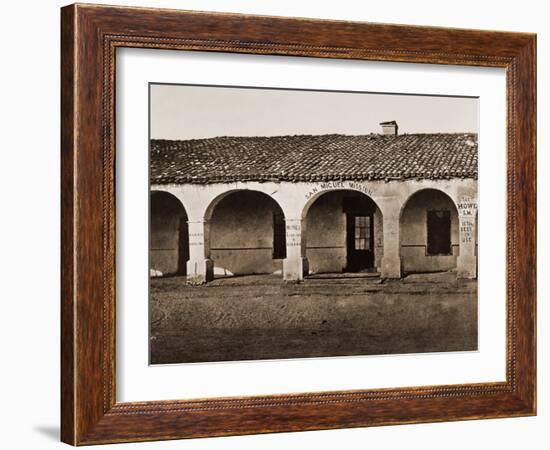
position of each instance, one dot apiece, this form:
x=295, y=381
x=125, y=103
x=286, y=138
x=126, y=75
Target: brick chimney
x=389, y=128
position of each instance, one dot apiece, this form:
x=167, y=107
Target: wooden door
x=360, y=242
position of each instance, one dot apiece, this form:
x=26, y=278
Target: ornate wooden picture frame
x=90, y=36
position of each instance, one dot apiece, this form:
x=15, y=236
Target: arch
x=245, y=233
x=342, y=231
x=216, y=200
x=315, y=196
x=178, y=194
x=429, y=232
x=169, y=234
x=420, y=190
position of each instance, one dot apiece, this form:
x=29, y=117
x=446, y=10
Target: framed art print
x=277, y=224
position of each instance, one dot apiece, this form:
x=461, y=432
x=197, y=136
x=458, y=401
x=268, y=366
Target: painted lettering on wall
x=467, y=209
x=332, y=185
x=196, y=239
x=293, y=234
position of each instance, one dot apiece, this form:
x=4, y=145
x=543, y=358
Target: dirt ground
x=261, y=317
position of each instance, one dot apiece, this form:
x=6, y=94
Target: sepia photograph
x=289, y=223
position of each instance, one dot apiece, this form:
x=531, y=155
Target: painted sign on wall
x=334, y=185
x=467, y=210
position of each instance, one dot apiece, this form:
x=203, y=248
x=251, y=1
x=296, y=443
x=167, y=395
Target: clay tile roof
x=314, y=158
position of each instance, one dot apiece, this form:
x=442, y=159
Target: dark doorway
x=360, y=234
x=183, y=246
x=279, y=236
x=439, y=232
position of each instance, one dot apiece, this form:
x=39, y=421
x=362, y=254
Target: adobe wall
x=414, y=239
x=295, y=199
x=241, y=235
x=325, y=233
x=167, y=218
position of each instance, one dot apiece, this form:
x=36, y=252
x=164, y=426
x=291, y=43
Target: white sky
x=189, y=112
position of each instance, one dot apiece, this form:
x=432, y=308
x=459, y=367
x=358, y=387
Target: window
x=279, y=236
x=439, y=233
x=362, y=232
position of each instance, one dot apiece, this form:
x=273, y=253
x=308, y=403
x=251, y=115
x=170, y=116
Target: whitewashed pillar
x=295, y=265
x=200, y=267
x=391, y=261
x=466, y=263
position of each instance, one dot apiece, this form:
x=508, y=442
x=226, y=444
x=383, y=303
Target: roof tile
x=314, y=158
